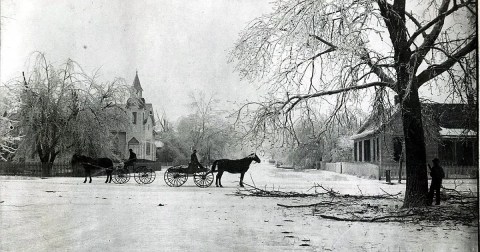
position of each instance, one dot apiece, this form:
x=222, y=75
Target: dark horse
x=233, y=166
x=89, y=163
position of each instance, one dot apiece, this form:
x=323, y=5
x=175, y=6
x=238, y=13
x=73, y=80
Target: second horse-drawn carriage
x=177, y=175
x=203, y=177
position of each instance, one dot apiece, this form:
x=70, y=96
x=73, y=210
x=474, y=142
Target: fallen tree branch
x=376, y=219
x=460, y=207
x=308, y=205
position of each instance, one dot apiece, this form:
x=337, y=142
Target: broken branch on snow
x=460, y=207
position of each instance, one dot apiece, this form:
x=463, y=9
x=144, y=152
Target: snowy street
x=63, y=214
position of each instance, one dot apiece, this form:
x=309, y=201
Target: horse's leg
x=219, y=179
x=109, y=176
x=85, y=181
x=90, y=175
x=241, y=179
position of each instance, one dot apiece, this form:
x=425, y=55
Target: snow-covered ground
x=63, y=214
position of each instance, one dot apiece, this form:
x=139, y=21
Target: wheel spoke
x=203, y=179
x=174, y=178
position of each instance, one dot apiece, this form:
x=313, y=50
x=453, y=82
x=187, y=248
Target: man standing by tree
x=437, y=174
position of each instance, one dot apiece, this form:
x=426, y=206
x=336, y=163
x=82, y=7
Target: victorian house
x=140, y=135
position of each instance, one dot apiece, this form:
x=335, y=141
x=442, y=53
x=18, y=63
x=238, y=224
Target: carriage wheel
x=115, y=176
x=127, y=174
x=144, y=175
x=121, y=176
x=175, y=179
x=203, y=179
x=150, y=176
x=137, y=175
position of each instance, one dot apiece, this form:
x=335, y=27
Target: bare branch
x=435, y=70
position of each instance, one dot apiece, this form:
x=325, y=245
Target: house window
x=374, y=148
x=397, y=148
x=148, y=148
x=447, y=151
x=366, y=152
x=467, y=153
x=454, y=152
x=355, y=151
x=378, y=149
x=134, y=115
x=360, y=151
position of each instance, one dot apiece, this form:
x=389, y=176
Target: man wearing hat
x=437, y=174
x=194, y=160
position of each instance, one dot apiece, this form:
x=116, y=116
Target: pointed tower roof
x=136, y=83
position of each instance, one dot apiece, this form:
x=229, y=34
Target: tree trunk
x=47, y=160
x=415, y=152
x=46, y=169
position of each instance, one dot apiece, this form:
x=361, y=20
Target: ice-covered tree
x=9, y=134
x=312, y=52
x=65, y=110
x=206, y=128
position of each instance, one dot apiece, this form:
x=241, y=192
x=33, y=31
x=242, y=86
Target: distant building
x=140, y=137
x=450, y=134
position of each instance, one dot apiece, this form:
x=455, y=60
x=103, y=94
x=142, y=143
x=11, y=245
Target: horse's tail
x=213, y=165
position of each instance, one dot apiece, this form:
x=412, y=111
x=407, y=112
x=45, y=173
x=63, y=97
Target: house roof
x=462, y=117
x=446, y=133
x=133, y=141
x=452, y=116
x=136, y=83
x=373, y=124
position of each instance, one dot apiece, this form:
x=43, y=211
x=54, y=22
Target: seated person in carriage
x=131, y=159
x=194, y=161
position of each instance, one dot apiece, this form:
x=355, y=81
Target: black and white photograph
x=239, y=125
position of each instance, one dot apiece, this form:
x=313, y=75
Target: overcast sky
x=177, y=46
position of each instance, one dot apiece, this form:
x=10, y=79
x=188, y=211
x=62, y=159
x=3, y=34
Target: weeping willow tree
x=63, y=110
x=309, y=54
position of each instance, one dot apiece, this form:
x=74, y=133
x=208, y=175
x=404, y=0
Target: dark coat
x=437, y=173
x=193, y=158
x=133, y=156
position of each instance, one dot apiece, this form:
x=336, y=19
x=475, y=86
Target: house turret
x=137, y=88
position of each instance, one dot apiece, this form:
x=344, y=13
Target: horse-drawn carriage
x=141, y=174
x=116, y=172
x=177, y=175
x=174, y=176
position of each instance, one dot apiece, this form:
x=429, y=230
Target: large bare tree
x=206, y=128
x=312, y=52
x=64, y=110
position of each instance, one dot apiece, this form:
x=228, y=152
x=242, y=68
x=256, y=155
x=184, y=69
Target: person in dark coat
x=131, y=159
x=437, y=174
x=194, y=160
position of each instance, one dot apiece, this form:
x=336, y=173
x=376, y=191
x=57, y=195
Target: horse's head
x=75, y=158
x=254, y=157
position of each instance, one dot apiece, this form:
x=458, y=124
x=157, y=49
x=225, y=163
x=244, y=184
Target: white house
x=140, y=136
